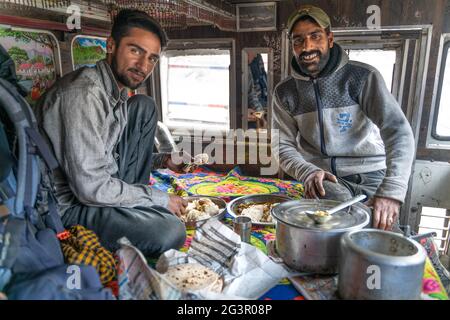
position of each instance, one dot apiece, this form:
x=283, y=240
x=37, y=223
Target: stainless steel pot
x=380, y=265
x=309, y=247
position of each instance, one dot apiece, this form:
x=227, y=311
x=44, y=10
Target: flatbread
x=194, y=276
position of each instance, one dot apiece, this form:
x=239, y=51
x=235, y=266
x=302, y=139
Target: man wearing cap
x=340, y=130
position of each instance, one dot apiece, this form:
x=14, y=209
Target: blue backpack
x=31, y=260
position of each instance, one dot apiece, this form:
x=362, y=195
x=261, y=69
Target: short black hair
x=311, y=19
x=132, y=18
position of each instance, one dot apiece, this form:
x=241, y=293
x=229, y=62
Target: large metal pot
x=308, y=247
x=380, y=265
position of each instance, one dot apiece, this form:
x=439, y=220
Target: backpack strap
x=6, y=189
x=42, y=148
x=28, y=201
x=52, y=218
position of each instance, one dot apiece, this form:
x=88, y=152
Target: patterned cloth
x=83, y=247
x=432, y=286
x=229, y=186
x=434, y=271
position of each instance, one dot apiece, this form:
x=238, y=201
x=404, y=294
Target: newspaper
x=317, y=287
x=247, y=272
x=311, y=286
x=137, y=281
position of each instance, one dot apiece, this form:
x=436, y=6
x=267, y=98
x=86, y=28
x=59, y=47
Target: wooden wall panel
x=352, y=13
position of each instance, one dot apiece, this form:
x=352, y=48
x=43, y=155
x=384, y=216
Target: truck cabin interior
x=218, y=88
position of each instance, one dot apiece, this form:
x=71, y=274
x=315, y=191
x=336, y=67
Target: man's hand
x=313, y=184
x=385, y=212
x=177, y=205
x=177, y=161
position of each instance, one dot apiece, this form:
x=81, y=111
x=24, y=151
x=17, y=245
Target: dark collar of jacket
x=338, y=59
x=110, y=83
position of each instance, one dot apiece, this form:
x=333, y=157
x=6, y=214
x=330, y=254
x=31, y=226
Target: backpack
x=30, y=226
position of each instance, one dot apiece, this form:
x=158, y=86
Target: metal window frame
x=82, y=36
x=195, y=45
x=397, y=76
x=435, y=141
x=445, y=229
x=57, y=54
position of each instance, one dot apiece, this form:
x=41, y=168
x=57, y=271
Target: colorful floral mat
x=226, y=186
x=234, y=184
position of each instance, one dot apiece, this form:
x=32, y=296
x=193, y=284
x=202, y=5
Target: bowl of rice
x=257, y=207
x=202, y=208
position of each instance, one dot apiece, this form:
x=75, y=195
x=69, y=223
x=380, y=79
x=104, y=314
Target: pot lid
x=293, y=213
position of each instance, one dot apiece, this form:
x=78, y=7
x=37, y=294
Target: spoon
x=322, y=216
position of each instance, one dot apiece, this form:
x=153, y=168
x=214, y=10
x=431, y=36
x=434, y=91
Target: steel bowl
x=233, y=206
x=380, y=265
x=219, y=216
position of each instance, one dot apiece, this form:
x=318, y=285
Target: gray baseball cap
x=315, y=13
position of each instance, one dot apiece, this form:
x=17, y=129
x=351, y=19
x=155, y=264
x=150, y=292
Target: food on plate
x=200, y=209
x=194, y=276
x=258, y=212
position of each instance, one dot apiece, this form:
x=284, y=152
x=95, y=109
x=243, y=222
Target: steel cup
x=243, y=227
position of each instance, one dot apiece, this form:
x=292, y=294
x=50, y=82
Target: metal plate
x=293, y=213
x=219, y=216
x=256, y=198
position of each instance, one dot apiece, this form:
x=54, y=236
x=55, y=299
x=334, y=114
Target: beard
x=124, y=79
x=313, y=68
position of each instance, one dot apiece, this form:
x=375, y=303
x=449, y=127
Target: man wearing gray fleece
x=341, y=132
x=103, y=142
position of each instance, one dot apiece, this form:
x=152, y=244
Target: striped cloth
x=83, y=247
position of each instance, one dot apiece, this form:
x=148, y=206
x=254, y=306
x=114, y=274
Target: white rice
x=208, y=210
x=254, y=212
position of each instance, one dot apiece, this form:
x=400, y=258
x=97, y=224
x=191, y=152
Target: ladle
x=322, y=216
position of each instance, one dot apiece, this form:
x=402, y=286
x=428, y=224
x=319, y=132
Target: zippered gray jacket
x=346, y=122
x=84, y=116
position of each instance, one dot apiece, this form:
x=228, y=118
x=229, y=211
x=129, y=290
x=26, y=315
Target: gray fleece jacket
x=346, y=122
x=83, y=116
